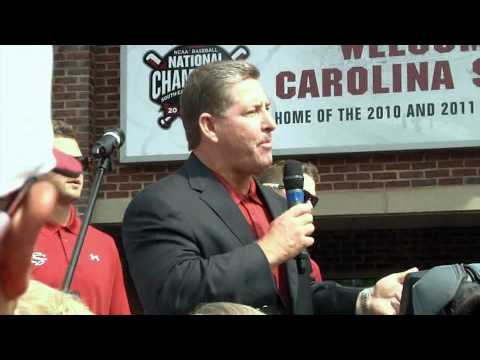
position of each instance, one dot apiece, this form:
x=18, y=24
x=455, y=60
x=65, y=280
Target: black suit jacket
x=187, y=242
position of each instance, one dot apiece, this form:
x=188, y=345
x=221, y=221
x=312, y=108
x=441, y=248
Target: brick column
x=73, y=97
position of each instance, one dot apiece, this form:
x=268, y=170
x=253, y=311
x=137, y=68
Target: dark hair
x=62, y=129
x=274, y=174
x=466, y=300
x=206, y=90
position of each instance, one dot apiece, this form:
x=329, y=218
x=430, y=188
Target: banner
x=325, y=98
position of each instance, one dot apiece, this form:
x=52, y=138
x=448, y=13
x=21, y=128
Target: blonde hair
x=225, y=308
x=40, y=299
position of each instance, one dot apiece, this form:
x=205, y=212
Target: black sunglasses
x=306, y=195
x=310, y=197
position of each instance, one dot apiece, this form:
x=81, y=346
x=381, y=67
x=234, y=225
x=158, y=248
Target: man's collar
x=73, y=224
x=238, y=197
x=200, y=175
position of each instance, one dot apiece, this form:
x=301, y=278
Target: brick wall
x=73, y=96
x=402, y=169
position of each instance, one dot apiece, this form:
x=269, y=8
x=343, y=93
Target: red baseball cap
x=66, y=164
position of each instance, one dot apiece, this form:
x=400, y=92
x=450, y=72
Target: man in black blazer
x=211, y=232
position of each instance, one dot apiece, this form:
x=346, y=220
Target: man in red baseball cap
x=98, y=277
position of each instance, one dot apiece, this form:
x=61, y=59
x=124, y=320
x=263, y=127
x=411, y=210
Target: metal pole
x=103, y=164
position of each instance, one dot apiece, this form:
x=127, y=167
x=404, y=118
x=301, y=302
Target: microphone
x=112, y=139
x=293, y=183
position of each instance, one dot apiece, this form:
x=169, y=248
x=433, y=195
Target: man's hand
x=288, y=234
x=385, y=296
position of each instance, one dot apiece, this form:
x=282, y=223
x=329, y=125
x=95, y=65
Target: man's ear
x=17, y=246
x=207, y=124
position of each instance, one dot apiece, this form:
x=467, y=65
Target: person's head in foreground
x=41, y=299
x=225, y=308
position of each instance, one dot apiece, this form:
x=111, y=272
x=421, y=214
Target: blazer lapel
x=214, y=194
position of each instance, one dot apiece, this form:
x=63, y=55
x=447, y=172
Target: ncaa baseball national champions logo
x=169, y=74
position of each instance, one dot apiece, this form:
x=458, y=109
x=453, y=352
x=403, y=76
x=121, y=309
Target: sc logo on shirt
x=39, y=258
